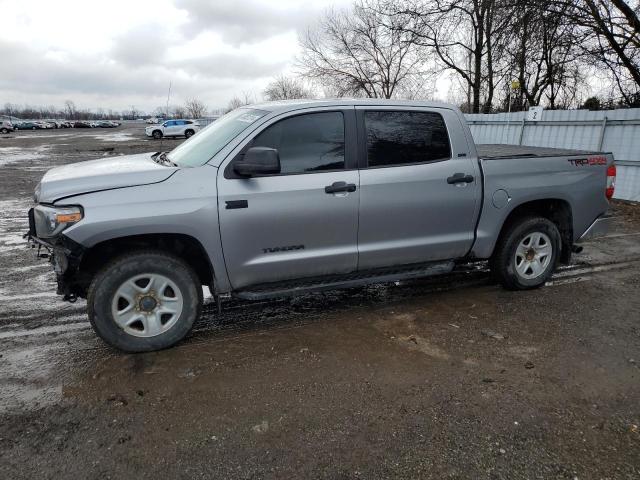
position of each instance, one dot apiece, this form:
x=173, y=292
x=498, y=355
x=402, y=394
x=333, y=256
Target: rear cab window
x=395, y=138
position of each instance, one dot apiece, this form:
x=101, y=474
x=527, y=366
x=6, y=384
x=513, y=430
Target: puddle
x=116, y=137
x=18, y=154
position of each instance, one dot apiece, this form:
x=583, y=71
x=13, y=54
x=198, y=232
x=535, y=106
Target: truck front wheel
x=526, y=254
x=144, y=301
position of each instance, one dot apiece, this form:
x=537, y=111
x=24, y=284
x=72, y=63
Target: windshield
x=201, y=148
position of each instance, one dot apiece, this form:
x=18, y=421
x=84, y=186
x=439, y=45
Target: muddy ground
x=451, y=377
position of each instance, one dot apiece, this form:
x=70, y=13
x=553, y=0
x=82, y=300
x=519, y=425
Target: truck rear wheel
x=144, y=301
x=526, y=254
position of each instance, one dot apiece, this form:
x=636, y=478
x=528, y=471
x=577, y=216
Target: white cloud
x=122, y=53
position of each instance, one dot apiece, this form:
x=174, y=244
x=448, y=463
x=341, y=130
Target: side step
x=335, y=282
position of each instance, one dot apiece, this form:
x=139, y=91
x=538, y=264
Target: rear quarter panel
x=581, y=184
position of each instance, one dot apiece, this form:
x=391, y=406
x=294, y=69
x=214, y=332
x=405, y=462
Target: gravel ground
x=449, y=377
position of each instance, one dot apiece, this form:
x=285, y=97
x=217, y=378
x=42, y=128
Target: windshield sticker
x=248, y=117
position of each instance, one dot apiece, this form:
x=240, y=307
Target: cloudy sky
x=119, y=53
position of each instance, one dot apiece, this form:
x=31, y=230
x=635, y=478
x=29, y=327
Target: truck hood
x=103, y=174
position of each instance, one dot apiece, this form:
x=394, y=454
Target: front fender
x=185, y=204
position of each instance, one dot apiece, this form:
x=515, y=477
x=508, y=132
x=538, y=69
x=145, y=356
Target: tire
x=178, y=304
x=188, y=133
x=5, y=130
x=33, y=128
x=157, y=134
x=527, y=253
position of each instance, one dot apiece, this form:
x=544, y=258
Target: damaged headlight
x=51, y=221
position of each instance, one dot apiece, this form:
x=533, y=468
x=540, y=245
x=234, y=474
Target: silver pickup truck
x=282, y=198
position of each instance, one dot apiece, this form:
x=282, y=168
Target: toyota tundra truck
x=283, y=198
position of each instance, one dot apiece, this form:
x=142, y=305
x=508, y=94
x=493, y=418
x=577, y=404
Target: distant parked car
x=55, y=123
x=173, y=128
x=82, y=124
x=29, y=126
x=6, y=126
x=107, y=124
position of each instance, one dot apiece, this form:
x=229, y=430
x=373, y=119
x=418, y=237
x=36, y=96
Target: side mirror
x=258, y=161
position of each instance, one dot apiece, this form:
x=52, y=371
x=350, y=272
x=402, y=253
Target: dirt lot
x=443, y=378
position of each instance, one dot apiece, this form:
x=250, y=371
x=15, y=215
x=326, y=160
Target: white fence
x=616, y=131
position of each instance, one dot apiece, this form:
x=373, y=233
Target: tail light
x=611, y=181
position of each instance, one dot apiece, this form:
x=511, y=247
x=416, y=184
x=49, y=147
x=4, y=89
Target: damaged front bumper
x=65, y=256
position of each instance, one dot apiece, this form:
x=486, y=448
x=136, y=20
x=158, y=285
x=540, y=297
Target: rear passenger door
x=173, y=128
x=419, y=188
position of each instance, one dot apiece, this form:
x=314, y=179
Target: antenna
x=168, y=97
x=167, y=113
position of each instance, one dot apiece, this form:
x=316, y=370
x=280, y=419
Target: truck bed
x=502, y=151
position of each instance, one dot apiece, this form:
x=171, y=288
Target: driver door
x=289, y=225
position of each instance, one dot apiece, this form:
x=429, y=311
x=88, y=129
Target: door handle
x=337, y=187
x=459, y=178
x=234, y=204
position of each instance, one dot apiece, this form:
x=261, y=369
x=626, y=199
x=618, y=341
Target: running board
x=336, y=282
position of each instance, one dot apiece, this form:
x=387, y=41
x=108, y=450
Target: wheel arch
x=180, y=245
x=556, y=210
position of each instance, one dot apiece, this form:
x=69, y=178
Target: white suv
x=173, y=128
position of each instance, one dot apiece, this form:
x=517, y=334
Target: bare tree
x=613, y=40
x=285, y=88
x=234, y=103
x=195, y=108
x=369, y=51
x=160, y=112
x=543, y=54
x=237, y=102
x=70, y=109
x=180, y=112
x=468, y=38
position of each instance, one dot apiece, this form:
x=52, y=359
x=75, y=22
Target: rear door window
x=405, y=137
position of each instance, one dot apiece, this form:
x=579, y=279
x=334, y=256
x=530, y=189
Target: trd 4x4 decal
x=582, y=162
